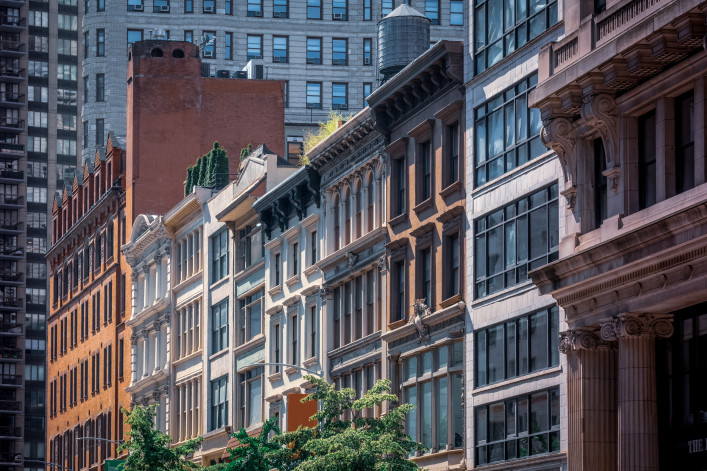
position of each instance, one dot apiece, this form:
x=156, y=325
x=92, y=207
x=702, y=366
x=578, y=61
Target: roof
x=404, y=10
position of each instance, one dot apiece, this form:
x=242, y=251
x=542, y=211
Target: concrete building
x=150, y=331
x=421, y=113
x=623, y=99
x=87, y=366
x=326, y=52
x=291, y=219
x=352, y=262
x=515, y=384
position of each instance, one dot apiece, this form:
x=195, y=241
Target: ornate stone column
x=591, y=400
x=145, y=336
x=158, y=277
x=638, y=409
x=146, y=289
x=158, y=331
x=133, y=357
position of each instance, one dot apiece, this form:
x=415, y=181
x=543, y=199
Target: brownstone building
x=421, y=112
x=86, y=334
x=623, y=97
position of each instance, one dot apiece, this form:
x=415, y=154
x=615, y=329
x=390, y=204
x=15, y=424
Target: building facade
x=87, y=365
x=326, y=52
x=624, y=110
x=351, y=166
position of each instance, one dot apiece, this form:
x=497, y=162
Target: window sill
x=399, y=219
x=275, y=377
x=427, y=204
x=451, y=189
x=451, y=300
x=518, y=379
x=310, y=361
x=292, y=281
x=220, y=353
x=291, y=370
x=275, y=291
x=311, y=270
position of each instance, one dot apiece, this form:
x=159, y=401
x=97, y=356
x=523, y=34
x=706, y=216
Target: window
x=228, y=47
x=340, y=10
x=387, y=6
x=37, y=119
x=66, y=72
x=399, y=185
x=100, y=87
x=314, y=94
x=513, y=240
x=425, y=267
x=249, y=247
x=255, y=47
x=67, y=47
x=294, y=259
x=39, y=18
x=41, y=95
x=250, y=397
x=398, y=287
x=189, y=36
x=600, y=183
x=432, y=11
x=66, y=146
x=424, y=173
x=160, y=6
x=685, y=142
x=36, y=195
x=314, y=50
x=339, y=96
x=367, y=52
x=276, y=348
x=228, y=7
x=518, y=347
x=339, y=49
x=255, y=8
x=314, y=9
x=188, y=7
x=219, y=260
x=367, y=10
x=279, y=49
x=646, y=160
x=209, y=47
x=432, y=382
x=452, y=262
x=517, y=428
x=209, y=6
x=100, y=42
x=38, y=68
x=312, y=331
x=280, y=9
x=66, y=122
x=313, y=243
x=294, y=336
x=36, y=144
x=219, y=326
x=277, y=279
x=498, y=31
x=452, y=153
x=456, y=13
x=135, y=5
x=101, y=5
x=507, y=132
x=367, y=88
x=99, y=132
x=295, y=147
x=134, y=35
x=39, y=43
x=219, y=403
x=250, y=316
x=85, y=134
x=67, y=22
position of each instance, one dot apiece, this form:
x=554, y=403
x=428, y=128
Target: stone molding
x=602, y=114
x=586, y=338
x=634, y=325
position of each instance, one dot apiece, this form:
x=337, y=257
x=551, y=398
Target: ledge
x=517, y=379
x=399, y=219
x=310, y=361
x=275, y=290
x=451, y=189
x=273, y=309
x=293, y=280
x=275, y=377
x=309, y=271
x=291, y=370
x=427, y=204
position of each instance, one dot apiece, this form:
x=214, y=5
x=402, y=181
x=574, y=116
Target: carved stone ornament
x=323, y=292
x=630, y=324
x=420, y=310
x=559, y=134
x=383, y=263
x=134, y=275
x=601, y=113
x=351, y=259
x=580, y=339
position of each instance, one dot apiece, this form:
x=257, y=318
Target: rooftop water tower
x=403, y=35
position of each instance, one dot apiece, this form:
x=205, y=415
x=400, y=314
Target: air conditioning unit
x=255, y=69
x=279, y=59
x=208, y=9
x=164, y=8
x=279, y=14
x=208, y=53
x=137, y=7
x=366, y=61
x=314, y=105
x=255, y=13
x=312, y=60
x=339, y=106
x=339, y=16
x=338, y=61
x=241, y=74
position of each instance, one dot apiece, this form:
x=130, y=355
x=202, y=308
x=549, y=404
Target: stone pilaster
x=591, y=398
x=638, y=409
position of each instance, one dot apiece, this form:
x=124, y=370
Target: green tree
x=255, y=453
x=152, y=450
x=188, y=185
x=203, y=171
x=345, y=440
x=326, y=128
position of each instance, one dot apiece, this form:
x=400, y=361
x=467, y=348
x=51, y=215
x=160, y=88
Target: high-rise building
x=325, y=51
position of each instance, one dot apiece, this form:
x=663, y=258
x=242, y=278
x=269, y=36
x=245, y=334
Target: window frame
x=219, y=410
x=220, y=262
x=337, y=60
x=219, y=332
x=283, y=58
x=310, y=59
x=312, y=7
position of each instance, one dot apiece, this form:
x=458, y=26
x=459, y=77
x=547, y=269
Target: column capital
x=633, y=325
x=134, y=275
x=146, y=269
x=583, y=338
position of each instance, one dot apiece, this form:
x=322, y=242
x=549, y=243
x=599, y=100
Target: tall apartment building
x=623, y=96
x=515, y=378
x=324, y=50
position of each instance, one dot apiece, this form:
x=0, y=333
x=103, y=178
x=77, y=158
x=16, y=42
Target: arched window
x=337, y=222
x=359, y=208
x=347, y=216
x=371, y=200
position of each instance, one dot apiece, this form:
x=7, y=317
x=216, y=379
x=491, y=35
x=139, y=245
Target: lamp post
x=101, y=439
x=47, y=463
x=287, y=365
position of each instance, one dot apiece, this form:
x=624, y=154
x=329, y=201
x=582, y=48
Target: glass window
x=456, y=13
x=452, y=261
x=646, y=160
x=339, y=96
x=219, y=326
x=314, y=95
x=517, y=428
x=255, y=8
x=340, y=10
x=279, y=49
x=219, y=403
x=250, y=316
x=100, y=87
x=280, y=9
x=504, y=26
x=228, y=46
x=135, y=5
x=685, y=142
x=209, y=44
x=387, y=6
x=160, y=6
x=67, y=22
x=367, y=51
x=188, y=6
x=367, y=88
x=432, y=11
x=367, y=10
x=134, y=35
x=314, y=9
x=339, y=48
x=507, y=132
x=314, y=50
x=250, y=392
x=219, y=261
x=513, y=240
x=255, y=47
x=100, y=139
x=209, y=6
x=517, y=347
x=424, y=160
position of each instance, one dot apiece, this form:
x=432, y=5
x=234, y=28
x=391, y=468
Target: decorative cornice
x=559, y=135
x=581, y=339
x=635, y=325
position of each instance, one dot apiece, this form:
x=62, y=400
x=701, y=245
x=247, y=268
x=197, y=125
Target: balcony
x=10, y=432
x=11, y=303
x=10, y=226
x=11, y=100
x=12, y=23
x=11, y=459
x=11, y=125
x=11, y=353
x=11, y=277
x=11, y=48
x=11, y=150
x=11, y=252
x=11, y=201
x=12, y=3
x=12, y=74
x=15, y=177
x=11, y=380
x=12, y=328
